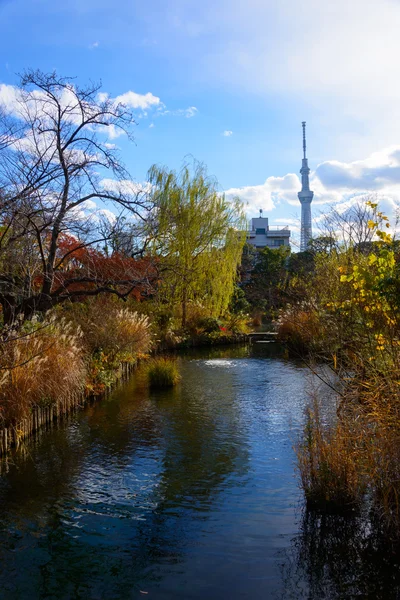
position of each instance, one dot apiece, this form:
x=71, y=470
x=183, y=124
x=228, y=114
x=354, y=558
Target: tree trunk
x=184, y=306
x=9, y=308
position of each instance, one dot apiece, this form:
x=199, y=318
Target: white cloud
x=11, y=96
x=379, y=171
x=276, y=46
x=266, y=196
x=94, y=45
x=151, y=125
x=8, y=97
x=104, y=213
x=227, y=133
x=124, y=186
x=188, y=112
x=333, y=183
x=89, y=205
x=138, y=101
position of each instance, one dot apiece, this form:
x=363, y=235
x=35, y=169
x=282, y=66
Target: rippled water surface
x=188, y=493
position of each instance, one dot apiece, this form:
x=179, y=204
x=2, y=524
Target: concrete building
x=305, y=197
x=260, y=235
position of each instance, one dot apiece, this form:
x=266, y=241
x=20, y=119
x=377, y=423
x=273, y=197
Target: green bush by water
x=163, y=372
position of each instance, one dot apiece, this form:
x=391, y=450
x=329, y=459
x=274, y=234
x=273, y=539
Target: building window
x=279, y=242
x=260, y=231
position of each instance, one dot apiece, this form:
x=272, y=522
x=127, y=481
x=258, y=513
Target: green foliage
x=266, y=286
x=239, y=304
x=162, y=373
x=209, y=324
x=322, y=244
x=198, y=239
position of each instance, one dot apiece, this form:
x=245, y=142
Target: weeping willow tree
x=199, y=238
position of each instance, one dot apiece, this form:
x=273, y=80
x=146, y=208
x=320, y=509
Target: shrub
x=209, y=324
x=237, y=323
x=162, y=372
x=300, y=328
x=196, y=317
x=42, y=364
x=256, y=320
x=117, y=333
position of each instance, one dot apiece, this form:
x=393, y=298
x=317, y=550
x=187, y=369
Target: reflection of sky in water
x=183, y=493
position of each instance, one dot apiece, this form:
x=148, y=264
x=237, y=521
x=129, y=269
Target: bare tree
x=54, y=158
x=349, y=225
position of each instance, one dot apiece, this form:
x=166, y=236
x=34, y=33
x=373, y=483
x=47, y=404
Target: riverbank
x=47, y=415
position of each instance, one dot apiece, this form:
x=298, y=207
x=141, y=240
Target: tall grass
x=40, y=367
x=355, y=462
x=63, y=357
x=119, y=333
x=163, y=372
x=330, y=461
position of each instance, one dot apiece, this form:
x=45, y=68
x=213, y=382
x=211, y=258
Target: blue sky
x=255, y=68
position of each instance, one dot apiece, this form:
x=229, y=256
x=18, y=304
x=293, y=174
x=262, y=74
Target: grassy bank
x=50, y=365
x=349, y=319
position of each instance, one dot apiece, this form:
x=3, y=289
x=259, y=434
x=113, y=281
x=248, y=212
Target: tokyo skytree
x=305, y=197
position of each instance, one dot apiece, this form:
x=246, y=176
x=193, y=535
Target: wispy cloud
x=189, y=112
x=283, y=55
x=227, y=133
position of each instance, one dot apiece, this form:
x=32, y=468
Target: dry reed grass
x=300, y=328
x=355, y=461
x=117, y=332
x=330, y=461
x=42, y=367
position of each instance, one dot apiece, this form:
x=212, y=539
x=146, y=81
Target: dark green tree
x=265, y=289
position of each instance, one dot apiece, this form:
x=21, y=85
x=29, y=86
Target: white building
x=260, y=235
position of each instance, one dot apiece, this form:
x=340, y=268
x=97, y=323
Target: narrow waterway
x=188, y=493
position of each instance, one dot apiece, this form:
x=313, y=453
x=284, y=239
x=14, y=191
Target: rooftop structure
x=305, y=197
x=260, y=235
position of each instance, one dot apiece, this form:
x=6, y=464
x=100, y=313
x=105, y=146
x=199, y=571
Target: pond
x=187, y=493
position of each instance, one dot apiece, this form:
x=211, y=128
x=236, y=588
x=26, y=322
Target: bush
x=209, y=324
x=256, y=320
x=195, y=318
x=162, y=373
x=108, y=329
x=41, y=364
x=300, y=328
x=237, y=323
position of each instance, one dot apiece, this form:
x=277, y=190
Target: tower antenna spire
x=305, y=197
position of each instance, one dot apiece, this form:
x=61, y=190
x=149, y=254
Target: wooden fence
x=46, y=416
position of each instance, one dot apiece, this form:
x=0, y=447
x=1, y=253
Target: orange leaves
x=82, y=267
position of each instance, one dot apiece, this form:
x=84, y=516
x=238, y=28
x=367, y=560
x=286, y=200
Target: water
x=188, y=493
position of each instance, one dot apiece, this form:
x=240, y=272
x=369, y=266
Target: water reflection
x=338, y=557
x=184, y=493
